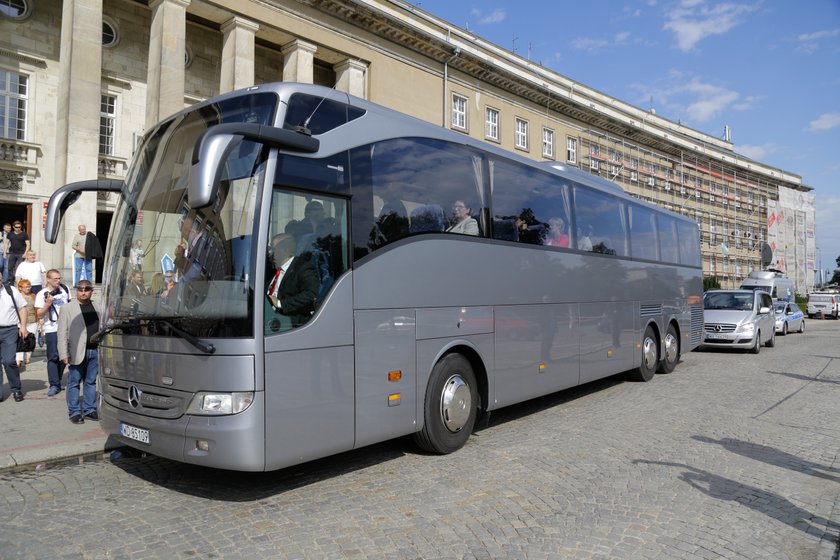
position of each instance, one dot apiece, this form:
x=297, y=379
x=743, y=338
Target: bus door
x=307, y=302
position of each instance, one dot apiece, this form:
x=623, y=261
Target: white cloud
x=496, y=16
x=591, y=45
x=817, y=35
x=692, y=21
x=826, y=121
x=756, y=152
x=692, y=99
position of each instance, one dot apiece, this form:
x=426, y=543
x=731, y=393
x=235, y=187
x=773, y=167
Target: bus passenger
x=294, y=286
x=464, y=222
x=584, y=241
x=557, y=236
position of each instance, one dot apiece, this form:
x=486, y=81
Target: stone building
x=80, y=81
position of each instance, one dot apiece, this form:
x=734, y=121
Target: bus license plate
x=137, y=434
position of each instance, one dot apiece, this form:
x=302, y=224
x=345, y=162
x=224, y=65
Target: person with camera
x=13, y=319
x=48, y=305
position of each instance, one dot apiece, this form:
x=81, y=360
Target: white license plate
x=137, y=434
x=717, y=336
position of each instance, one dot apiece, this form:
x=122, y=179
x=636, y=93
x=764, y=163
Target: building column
x=77, y=127
x=351, y=77
x=298, y=61
x=167, y=51
x=237, y=54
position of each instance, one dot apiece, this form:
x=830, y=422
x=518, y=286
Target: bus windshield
x=190, y=266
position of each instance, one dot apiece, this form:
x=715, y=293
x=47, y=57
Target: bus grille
x=147, y=400
x=696, y=325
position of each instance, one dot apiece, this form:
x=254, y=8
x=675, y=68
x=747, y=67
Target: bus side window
x=668, y=244
x=535, y=202
x=606, y=217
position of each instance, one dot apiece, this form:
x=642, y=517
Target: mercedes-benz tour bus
x=324, y=273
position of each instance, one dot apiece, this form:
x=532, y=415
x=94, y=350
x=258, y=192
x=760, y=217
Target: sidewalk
x=36, y=433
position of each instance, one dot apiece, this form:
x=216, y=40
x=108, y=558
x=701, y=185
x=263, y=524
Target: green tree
x=711, y=283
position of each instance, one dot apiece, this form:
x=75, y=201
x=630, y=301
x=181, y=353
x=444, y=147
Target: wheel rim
x=455, y=403
x=670, y=348
x=649, y=348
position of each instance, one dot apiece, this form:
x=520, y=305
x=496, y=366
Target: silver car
x=738, y=319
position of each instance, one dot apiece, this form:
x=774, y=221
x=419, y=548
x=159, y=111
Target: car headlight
x=217, y=404
x=747, y=328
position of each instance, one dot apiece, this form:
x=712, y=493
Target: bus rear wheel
x=672, y=351
x=650, y=358
x=451, y=406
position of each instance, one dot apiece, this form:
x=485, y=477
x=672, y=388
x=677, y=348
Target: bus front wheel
x=451, y=406
x=650, y=358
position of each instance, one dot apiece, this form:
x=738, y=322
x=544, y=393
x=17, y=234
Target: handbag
x=26, y=344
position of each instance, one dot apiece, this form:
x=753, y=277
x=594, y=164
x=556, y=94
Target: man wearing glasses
x=16, y=247
x=77, y=324
x=48, y=305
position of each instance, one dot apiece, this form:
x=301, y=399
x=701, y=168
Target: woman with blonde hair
x=33, y=325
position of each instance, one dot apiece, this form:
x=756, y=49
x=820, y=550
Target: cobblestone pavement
x=731, y=456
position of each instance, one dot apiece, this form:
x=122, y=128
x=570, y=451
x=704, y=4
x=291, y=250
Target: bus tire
x=672, y=351
x=757, y=346
x=451, y=406
x=650, y=358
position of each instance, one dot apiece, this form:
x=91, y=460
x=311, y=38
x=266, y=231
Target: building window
x=459, y=112
x=548, y=143
x=15, y=9
x=521, y=134
x=110, y=37
x=13, y=105
x=107, y=120
x=491, y=124
x=634, y=175
x=571, y=150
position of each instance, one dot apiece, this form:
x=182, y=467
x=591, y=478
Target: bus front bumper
x=234, y=442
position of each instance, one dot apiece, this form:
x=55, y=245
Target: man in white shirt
x=48, y=304
x=13, y=315
x=32, y=270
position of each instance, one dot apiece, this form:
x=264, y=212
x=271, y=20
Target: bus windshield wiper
x=205, y=347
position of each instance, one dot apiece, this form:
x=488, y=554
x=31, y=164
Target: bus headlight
x=213, y=404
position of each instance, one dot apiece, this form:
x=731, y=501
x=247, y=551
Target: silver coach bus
x=438, y=278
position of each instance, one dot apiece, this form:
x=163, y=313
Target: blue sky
x=770, y=70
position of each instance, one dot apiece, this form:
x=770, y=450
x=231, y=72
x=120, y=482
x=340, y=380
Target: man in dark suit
x=136, y=288
x=293, y=287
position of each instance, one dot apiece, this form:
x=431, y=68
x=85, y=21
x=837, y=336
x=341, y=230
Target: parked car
x=738, y=319
x=789, y=318
x=826, y=302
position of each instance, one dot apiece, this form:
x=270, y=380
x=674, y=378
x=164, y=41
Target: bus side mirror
x=208, y=162
x=66, y=196
x=214, y=146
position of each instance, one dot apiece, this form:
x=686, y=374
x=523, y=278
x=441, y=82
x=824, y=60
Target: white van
x=826, y=302
x=779, y=286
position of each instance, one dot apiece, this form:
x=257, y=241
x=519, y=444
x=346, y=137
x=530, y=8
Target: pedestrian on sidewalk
x=4, y=249
x=13, y=320
x=77, y=324
x=33, y=270
x=48, y=304
x=17, y=247
x=33, y=325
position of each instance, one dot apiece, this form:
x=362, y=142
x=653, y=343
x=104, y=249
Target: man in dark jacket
x=293, y=287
